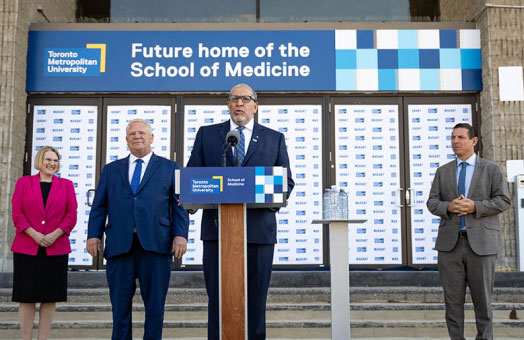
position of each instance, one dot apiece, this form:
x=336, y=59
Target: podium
x=339, y=263
x=232, y=190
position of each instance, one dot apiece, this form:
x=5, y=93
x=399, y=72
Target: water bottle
x=333, y=202
x=343, y=205
x=326, y=208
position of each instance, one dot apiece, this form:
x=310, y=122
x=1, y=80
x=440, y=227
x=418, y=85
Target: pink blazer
x=28, y=211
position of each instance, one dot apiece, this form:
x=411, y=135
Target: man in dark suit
x=468, y=194
x=145, y=227
x=258, y=146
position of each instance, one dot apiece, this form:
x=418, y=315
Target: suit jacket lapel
x=223, y=129
x=37, y=192
x=476, y=176
x=123, y=168
x=453, y=176
x=258, y=134
x=150, y=170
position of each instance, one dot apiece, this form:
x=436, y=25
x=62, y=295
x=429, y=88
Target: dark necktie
x=462, y=191
x=241, y=147
x=135, y=180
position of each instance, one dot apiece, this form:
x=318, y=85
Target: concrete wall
x=15, y=18
x=453, y=10
x=502, y=123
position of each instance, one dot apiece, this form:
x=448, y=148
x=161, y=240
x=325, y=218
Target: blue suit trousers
x=153, y=271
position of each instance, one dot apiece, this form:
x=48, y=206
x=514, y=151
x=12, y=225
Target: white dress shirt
x=132, y=165
x=470, y=168
x=248, y=131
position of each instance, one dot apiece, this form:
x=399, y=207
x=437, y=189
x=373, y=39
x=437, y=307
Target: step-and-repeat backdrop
x=73, y=131
x=368, y=169
x=299, y=241
x=367, y=153
x=430, y=128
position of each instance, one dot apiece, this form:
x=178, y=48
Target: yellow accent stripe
x=102, y=48
x=221, y=182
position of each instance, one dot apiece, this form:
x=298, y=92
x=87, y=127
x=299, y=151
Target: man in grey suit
x=468, y=194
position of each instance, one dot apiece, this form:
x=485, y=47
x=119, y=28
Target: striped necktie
x=135, y=180
x=462, y=191
x=241, y=147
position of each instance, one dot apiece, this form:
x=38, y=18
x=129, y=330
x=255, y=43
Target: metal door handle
x=399, y=197
x=88, y=197
x=409, y=197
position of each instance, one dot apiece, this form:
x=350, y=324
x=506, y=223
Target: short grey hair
x=253, y=93
x=139, y=120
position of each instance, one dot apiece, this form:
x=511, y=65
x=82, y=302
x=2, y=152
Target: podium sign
x=231, y=190
x=258, y=187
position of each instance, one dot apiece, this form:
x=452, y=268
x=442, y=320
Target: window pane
x=347, y=10
x=183, y=11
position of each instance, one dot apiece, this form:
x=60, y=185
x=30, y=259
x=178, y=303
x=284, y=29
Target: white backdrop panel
x=72, y=130
x=368, y=169
x=430, y=128
x=159, y=116
x=196, y=116
x=299, y=241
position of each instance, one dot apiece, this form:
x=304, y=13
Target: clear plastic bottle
x=326, y=207
x=333, y=202
x=343, y=205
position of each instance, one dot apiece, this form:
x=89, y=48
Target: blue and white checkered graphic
x=269, y=185
x=408, y=60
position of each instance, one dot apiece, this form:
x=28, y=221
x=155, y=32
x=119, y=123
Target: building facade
x=445, y=62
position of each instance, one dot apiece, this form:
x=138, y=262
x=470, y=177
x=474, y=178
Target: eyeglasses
x=245, y=99
x=49, y=160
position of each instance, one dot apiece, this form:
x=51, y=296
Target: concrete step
x=299, y=329
x=352, y=338
x=272, y=315
x=389, y=309
x=293, y=313
x=293, y=321
x=295, y=278
x=298, y=295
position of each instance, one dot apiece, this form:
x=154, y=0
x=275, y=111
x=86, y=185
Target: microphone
x=232, y=139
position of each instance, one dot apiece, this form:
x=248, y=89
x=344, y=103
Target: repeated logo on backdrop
x=367, y=148
x=430, y=128
x=73, y=131
x=299, y=241
x=196, y=116
x=118, y=116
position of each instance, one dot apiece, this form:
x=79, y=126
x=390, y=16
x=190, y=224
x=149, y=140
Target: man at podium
x=257, y=146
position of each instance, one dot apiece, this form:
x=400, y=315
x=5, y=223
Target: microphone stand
x=238, y=158
x=224, y=155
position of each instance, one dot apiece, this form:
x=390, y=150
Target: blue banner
x=232, y=185
x=156, y=61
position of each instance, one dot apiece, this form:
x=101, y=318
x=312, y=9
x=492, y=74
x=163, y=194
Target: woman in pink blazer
x=44, y=213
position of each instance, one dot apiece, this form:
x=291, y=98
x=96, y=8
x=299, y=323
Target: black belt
x=463, y=234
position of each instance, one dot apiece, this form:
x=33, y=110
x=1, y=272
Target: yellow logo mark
x=102, y=48
x=221, y=182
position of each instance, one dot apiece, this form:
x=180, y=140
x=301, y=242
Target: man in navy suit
x=145, y=227
x=262, y=147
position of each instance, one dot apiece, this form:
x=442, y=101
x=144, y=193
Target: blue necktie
x=135, y=180
x=241, y=147
x=462, y=191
